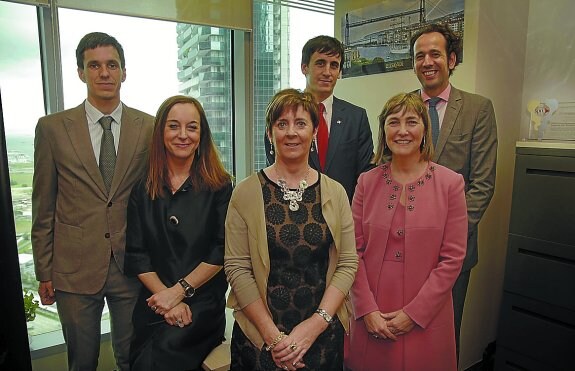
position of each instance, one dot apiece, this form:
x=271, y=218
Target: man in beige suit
x=84, y=170
x=466, y=139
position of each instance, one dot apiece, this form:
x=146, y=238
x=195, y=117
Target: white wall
x=550, y=59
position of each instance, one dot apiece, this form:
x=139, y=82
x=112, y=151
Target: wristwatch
x=189, y=291
x=325, y=315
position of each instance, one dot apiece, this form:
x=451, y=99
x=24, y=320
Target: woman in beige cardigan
x=290, y=252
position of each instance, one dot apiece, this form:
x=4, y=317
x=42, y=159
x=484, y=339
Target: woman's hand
x=377, y=326
x=398, y=322
x=166, y=299
x=180, y=315
x=288, y=353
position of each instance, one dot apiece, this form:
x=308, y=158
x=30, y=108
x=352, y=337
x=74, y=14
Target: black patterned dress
x=298, y=243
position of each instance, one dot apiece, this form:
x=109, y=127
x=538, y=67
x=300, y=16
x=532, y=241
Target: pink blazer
x=435, y=239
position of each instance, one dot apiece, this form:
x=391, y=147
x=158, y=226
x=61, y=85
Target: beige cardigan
x=246, y=260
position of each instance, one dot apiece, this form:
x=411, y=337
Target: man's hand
x=46, y=292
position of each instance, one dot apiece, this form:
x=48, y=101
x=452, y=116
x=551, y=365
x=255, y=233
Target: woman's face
x=403, y=133
x=182, y=132
x=292, y=134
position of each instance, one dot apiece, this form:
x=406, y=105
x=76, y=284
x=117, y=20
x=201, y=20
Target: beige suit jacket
x=467, y=144
x=76, y=225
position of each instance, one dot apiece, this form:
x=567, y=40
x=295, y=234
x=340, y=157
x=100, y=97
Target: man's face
x=103, y=74
x=321, y=74
x=431, y=63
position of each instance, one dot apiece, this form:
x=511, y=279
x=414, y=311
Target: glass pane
x=155, y=69
x=162, y=59
x=150, y=48
x=279, y=34
x=23, y=104
x=204, y=65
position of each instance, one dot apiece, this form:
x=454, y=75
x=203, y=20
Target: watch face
x=189, y=292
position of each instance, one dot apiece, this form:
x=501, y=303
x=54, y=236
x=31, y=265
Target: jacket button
x=110, y=204
x=107, y=235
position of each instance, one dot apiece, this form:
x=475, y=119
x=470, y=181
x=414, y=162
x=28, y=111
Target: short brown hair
x=291, y=99
x=94, y=40
x=323, y=44
x=207, y=171
x=452, y=41
x=397, y=103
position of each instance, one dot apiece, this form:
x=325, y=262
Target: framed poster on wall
x=376, y=36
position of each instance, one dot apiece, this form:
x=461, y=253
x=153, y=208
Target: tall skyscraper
x=204, y=64
x=271, y=66
x=204, y=72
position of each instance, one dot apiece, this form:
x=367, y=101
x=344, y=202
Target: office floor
x=488, y=361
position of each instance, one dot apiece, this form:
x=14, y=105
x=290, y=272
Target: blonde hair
x=397, y=103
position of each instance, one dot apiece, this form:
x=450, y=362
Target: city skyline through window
x=156, y=57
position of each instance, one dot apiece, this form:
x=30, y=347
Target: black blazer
x=350, y=146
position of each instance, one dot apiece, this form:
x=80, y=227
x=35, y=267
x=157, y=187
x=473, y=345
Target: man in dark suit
x=467, y=138
x=86, y=160
x=346, y=149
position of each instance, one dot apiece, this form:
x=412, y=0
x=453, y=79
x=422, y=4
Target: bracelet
x=275, y=341
x=325, y=315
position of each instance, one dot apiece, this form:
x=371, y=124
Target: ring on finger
x=293, y=346
x=154, y=308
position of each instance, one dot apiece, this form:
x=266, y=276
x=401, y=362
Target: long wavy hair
x=395, y=104
x=206, y=172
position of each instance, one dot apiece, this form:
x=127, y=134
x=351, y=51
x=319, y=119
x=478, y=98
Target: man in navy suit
x=348, y=144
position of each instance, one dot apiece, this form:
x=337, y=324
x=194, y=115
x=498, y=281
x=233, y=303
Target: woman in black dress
x=175, y=243
x=290, y=252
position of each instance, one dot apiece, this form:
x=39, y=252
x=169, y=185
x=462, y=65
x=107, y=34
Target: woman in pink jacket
x=410, y=229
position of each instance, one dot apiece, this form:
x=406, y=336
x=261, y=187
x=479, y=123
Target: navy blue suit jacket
x=350, y=146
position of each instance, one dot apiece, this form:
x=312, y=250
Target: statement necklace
x=293, y=196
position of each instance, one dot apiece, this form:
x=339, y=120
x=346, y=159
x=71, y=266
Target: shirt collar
x=94, y=115
x=444, y=95
x=328, y=103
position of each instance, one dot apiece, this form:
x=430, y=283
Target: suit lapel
x=76, y=126
x=336, y=129
x=129, y=136
x=451, y=112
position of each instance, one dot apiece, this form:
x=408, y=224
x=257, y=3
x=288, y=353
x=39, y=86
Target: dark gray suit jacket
x=467, y=144
x=76, y=224
x=350, y=146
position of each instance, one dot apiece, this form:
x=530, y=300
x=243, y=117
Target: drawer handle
x=544, y=172
x=541, y=255
x=542, y=317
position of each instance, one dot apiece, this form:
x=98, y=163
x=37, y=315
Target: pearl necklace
x=292, y=196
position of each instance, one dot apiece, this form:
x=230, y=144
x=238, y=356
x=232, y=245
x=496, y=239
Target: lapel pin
x=338, y=121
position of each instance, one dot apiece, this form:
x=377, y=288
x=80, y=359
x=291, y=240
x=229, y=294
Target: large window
x=279, y=34
x=23, y=104
x=162, y=59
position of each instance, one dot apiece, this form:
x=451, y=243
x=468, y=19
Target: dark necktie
x=434, y=117
x=322, y=137
x=107, y=152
